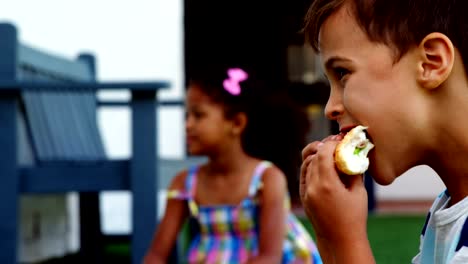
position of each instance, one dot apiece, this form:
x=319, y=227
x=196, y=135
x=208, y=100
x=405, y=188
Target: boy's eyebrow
x=330, y=61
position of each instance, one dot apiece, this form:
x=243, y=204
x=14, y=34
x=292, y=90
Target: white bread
x=351, y=152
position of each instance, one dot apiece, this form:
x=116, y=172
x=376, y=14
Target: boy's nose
x=334, y=107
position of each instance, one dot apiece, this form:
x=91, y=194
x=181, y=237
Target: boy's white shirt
x=442, y=233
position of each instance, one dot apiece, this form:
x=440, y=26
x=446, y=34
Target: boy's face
x=369, y=88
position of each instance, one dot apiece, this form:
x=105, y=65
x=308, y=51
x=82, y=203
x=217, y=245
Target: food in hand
x=351, y=153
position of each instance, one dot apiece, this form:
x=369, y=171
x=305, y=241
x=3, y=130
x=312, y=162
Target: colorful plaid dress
x=229, y=233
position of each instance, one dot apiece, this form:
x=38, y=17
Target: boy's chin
x=380, y=176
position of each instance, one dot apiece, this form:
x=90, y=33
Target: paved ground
x=404, y=207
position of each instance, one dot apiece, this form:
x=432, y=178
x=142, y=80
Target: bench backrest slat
x=52, y=66
x=62, y=123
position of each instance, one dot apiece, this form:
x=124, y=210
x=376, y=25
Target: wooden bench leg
x=9, y=188
x=143, y=177
x=91, y=238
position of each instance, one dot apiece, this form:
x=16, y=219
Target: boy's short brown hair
x=400, y=24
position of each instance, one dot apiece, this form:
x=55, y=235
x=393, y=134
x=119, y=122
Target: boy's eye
x=340, y=73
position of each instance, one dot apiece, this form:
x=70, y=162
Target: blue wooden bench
x=48, y=113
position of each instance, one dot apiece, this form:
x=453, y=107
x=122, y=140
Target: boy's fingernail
x=320, y=145
x=338, y=137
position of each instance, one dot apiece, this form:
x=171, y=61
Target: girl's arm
x=272, y=217
x=168, y=229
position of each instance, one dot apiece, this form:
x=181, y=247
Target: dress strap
x=190, y=187
x=177, y=194
x=183, y=194
x=188, y=192
x=256, y=182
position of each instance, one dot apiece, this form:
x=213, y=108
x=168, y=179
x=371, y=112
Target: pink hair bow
x=231, y=84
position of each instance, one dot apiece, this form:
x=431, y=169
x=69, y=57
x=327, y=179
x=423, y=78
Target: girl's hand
x=335, y=204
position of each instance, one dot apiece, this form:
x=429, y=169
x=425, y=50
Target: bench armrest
x=144, y=86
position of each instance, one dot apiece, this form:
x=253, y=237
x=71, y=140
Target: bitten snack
x=351, y=152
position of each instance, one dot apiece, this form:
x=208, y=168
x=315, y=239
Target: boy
x=396, y=67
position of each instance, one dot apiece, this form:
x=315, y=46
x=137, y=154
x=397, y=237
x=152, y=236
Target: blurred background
x=161, y=39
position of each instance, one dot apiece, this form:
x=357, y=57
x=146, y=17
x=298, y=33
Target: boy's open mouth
x=345, y=130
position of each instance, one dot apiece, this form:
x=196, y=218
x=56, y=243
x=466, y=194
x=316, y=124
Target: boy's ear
x=239, y=123
x=438, y=55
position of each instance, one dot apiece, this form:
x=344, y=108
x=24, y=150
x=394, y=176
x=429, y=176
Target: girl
x=239, y=198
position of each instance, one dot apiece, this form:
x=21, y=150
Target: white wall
x=132, y=40
x=418, y=183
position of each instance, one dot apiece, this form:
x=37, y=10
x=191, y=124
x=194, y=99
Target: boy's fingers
x=325, y=157
x=327, y=160
x=310, y=149
x=304, y=169
x=313, y=175
x=306, y=177
x=328, y=138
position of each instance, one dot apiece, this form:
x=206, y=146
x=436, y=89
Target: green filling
x=357, y=151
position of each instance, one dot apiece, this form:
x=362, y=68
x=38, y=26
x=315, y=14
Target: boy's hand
x=335, y=204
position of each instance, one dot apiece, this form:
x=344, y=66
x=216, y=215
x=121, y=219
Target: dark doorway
x=255, y=33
